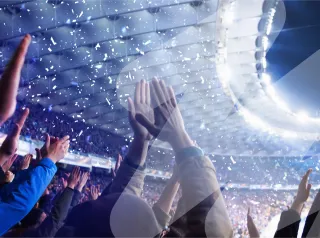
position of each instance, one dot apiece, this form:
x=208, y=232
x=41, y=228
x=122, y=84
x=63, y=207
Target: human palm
x=142, y=106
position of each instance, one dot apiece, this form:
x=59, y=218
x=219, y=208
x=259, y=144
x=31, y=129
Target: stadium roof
x=86, y=56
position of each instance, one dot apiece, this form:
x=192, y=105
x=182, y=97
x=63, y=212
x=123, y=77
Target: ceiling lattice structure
x=86, y=56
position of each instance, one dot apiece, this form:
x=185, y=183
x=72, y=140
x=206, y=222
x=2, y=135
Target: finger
x=148, y=125
x=14, y=68
x=172, y=96
x=147, y=94
x=64, y=139
x=306, y=176
x=118, y=162
x=23, y=117
x=165, y=91
x=48, y=139
x=143, y=91
x=38, y=154
x=13, y=158
x=120, y=158
x=248, y=211
x=309, y=188
x=158, y=91
x=113, y=173
x=131, y=109
x=137, y=93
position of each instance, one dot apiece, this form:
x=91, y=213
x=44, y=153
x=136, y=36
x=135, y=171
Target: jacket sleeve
x=312, y=225
x=288, y=225
x=203, y=211
x=75, y=199
x=162, y=217
x=129, y=179
x=59, y=212
x=19, y=197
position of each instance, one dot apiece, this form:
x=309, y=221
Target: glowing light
x=264, y=63
x=302, y=116
x=265, y=42
x=266, y=78
x=229, y=17
x=289, y=134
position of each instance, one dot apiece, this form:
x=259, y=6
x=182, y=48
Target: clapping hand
x=7, y=165
x=58, y=150
x=94, y=192
x=43, y=152
x=142, y=106
x=74, y=178
x=10, y=144
x=168, y=124
x=26, y=162
x=10, y=80
x=83, y=180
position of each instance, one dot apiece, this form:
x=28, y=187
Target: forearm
x=137, y=153
x=19, y=197
x=167, y=197
x=289, y=224
x=297, y=206
x=312, y=224
x=206, y=211
x=130, y=176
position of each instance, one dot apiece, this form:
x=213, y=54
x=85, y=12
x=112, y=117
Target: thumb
x=47, y=140
x=15, y=131
x=309, y=188
x=131, y=109
x=38, y=152
x=148, y=125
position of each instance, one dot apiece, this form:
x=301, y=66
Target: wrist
x=51, y=158
x=297, y=206
x=79, y=188
x=181, y=141
x=71, y=186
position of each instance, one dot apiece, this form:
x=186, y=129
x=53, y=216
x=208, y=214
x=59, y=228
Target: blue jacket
x=19, y=197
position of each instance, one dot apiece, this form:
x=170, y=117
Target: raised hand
x=10, y=80
x=43, y=152
x=168, y=125
x=83, y=180
x=142, y=106
x=117, y=166
x=304, y=188
x=65, y=181
x=58, y=150
x=303, y=192
x=74, y=177
x=26, y=162
x=94, y=192
x=7, y=165
x=10, y=144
